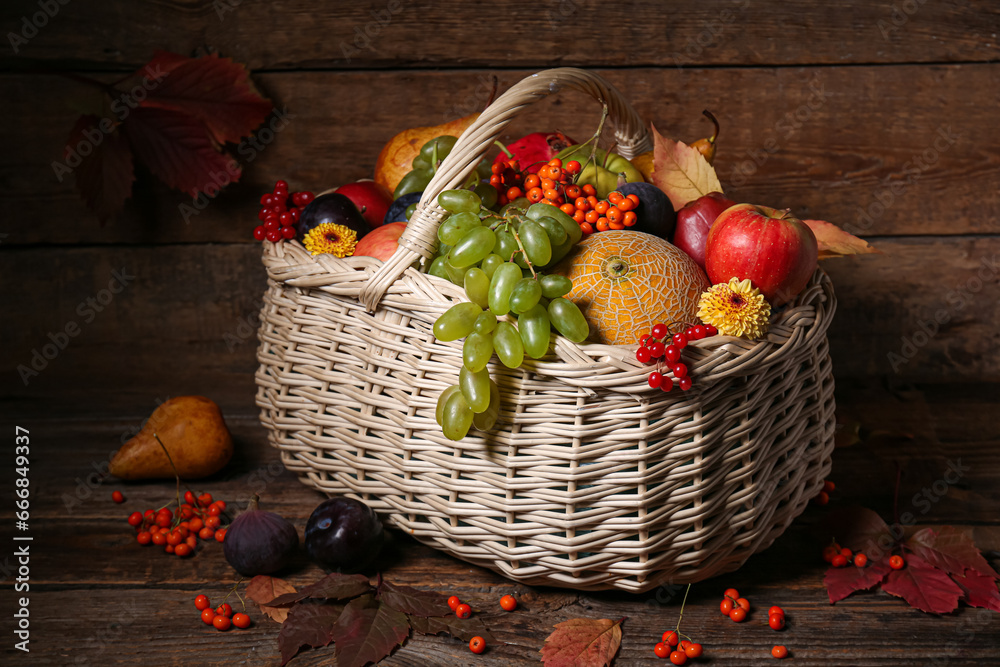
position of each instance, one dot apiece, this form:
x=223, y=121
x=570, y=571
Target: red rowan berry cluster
x=178, y=533
x=279, y=211
x=823, y=497
x=478, y=644
x=737, y=608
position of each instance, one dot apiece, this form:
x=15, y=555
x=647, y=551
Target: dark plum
x=654, y=214
x=331, y=207
x=259, y=542
x=397, y=212
x=343, y=534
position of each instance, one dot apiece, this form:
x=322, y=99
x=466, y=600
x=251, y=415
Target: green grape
x=536, y=242
x=456, y=322
x=437, y=268
x=420, y=164
x=519, y=204
x=443, y=249
x=502, y=284
x=506, y=244
x=477, y=287
x=508, y=346
x=555, y=285
x=475, y=387
x=472, y=248
x=526, y=294
x=444, y=145
x=455, y=275
x=414, y=181
x=485, y=323
x=534, y=329
x=459, y=201
x=485, y=420
x=571, y=226
x=568, y=320
x=487, y=194
x=442, y=400
x=557, y=234
x=455, y=227
x=560, y=251
x=477, y=350
x=521, y=261
x=456, y=417
x=492, y=262
x=484, y=170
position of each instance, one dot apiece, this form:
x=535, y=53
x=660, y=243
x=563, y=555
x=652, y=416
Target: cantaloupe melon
x=626, y=281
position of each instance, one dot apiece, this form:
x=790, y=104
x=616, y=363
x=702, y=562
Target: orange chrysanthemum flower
x=330, y=238
x=735, y=308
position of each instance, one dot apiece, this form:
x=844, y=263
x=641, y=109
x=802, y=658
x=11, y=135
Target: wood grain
x=120, y=600
x=402, y=33
x=885, y=150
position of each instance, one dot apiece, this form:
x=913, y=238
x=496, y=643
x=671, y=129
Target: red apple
x=380, y=243
x=772, y=248
x=695, y=219
x=372, y=199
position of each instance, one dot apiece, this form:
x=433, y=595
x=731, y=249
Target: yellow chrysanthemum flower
x=330, y=238
x=735, y=308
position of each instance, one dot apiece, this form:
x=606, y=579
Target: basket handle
x=419, y=239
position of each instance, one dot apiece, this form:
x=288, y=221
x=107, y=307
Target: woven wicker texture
x=591, y=480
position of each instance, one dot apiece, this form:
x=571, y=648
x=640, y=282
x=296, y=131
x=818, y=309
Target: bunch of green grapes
x=498, y=258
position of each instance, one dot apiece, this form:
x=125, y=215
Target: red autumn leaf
x=681, y=172
x=462, y=628
x=923, y=586
x=263, y=588
x=859, y=529
x=951, y=550
x=334, y=586
x=104, y=173
x=412, y=601
x=216, y=90
x=842, y=581
x=178, y=149
x=835, y=242
x=367, y=631
x=582, y=642
x=308, y=624
x=980, y=590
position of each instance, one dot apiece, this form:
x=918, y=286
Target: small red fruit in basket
x=381, y=242
x=372, y=200
x=694, y=221
x=776, y=251
x=536, y=149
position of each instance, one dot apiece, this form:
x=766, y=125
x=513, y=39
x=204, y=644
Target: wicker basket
x=591, y=480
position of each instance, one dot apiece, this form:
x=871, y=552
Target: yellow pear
x=644, y=163
x=192, y=430
x=395, y=160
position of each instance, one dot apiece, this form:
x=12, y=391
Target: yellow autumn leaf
x=681, y=172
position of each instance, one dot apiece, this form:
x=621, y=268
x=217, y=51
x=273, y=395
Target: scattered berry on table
x=779, y=652
x=241, y=621
x=453, y=602
x=662, y=650
x=508, y=603
x=477, y=644
x=202, y=603
x=117, y=496
x=896, y=562
x=463, y=611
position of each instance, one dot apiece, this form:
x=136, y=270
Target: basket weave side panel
x=583, y=485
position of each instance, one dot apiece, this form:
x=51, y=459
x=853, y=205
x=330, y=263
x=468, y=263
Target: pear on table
x=191, y=429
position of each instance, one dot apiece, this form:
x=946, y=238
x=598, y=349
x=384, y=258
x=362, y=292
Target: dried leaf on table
x=582, y=642
x=263, y=588
x=334, y=586
x=923, y=586
x=978, y=590
x=367, y=631
x=842, y=581
x=835, y=242
x=413, y=601
x=681, y=171
x=951, y=550
x=308, y=624
x=857, y=528
x=462, y=628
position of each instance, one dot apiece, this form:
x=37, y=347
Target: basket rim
x=424, y=297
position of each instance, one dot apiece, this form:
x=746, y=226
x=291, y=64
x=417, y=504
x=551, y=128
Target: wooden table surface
x=98, y=597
